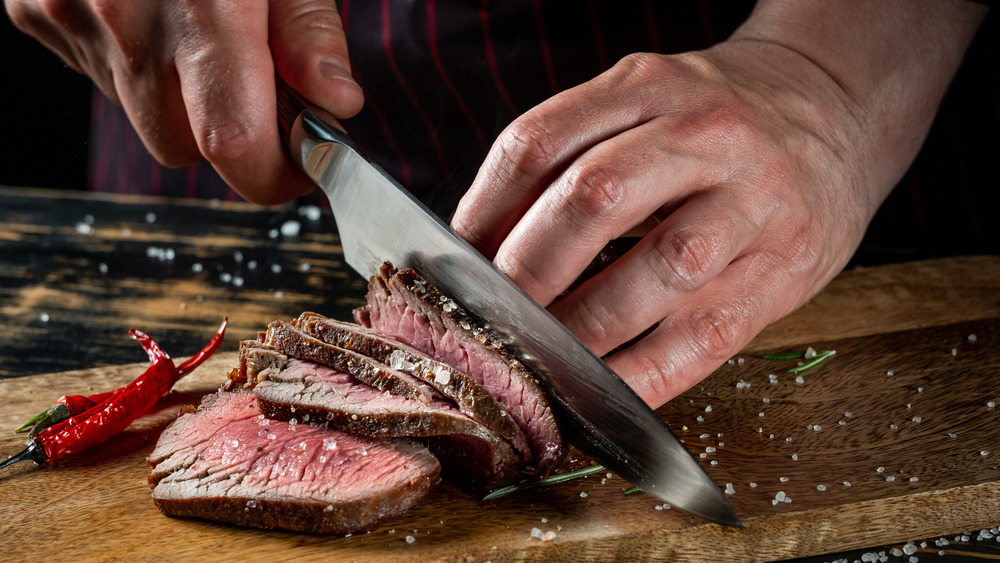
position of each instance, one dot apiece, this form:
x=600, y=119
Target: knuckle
x=593, y=322
x=594, y=191
x=718, y=332
x=526, y=148
x=686, y=258
x=226, y=142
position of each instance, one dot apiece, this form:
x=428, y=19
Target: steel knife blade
x=378, y=221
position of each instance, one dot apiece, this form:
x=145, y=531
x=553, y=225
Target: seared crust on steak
x=471, y=398
x=404, y=306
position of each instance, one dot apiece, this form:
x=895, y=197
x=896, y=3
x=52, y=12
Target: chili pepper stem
x=34, y=452
x=56, y=413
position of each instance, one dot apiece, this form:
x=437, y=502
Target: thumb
x=310, y=53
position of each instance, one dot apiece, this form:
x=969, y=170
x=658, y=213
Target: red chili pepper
x=76, y=404
x=117, y=410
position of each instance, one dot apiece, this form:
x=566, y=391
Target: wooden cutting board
x=920, y=450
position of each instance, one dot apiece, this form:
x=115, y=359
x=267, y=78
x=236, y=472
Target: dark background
x=946, y=205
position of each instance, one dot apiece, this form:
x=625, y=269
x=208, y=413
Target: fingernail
x=332, y=69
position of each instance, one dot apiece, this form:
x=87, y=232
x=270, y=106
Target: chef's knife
x=379, y=221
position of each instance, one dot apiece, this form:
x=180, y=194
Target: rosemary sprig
x=553, y=480
x=784, y=355
x=821, y=356
x=633, y=490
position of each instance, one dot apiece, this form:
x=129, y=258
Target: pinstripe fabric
x=443, y=77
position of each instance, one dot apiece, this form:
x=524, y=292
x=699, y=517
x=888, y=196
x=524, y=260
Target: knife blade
x=378, y=220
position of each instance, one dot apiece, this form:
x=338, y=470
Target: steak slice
x=291, y=341
x=311, y=392
x=471, y=398
x=226, y=462
x=402, y=305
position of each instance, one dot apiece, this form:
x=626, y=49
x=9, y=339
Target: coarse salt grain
x=954, y=351
x=984, y=453
x=890, y=478
x=714, y=462
x=783, y=479
x=291, y=228
x=972, y=338
x=729, y=489
x=889, y=373
x=821, y=488
x=410, y=539
x=917, y=419
x=800, y=380
x=708, y=408
x=44, y=317
x=151, y=217
x=991, y=405
x=583, y=494
x=795, y=457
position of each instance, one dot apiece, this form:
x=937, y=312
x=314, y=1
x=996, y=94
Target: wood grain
x=955, y=490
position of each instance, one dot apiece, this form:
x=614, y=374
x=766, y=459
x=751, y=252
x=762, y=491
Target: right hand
x=196, y=79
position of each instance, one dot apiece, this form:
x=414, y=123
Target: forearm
x=887, y=65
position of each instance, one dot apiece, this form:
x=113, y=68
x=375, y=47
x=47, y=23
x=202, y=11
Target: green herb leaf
x=633, y=490
x=553, y=480
x=784, y=355
x=821, y=356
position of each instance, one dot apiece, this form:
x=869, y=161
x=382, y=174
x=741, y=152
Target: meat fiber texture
x=294, y=388
x=403, y=306
x=227, y=462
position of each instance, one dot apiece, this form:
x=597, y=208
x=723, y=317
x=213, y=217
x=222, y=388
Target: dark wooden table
x=78, y=270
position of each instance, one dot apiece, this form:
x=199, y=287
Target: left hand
x=761, y=167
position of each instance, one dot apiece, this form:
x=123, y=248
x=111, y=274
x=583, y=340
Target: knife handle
x=291, y=105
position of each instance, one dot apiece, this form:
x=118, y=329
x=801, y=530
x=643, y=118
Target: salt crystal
x=411, y=539
x=783, y=479
x=847, y=484
x=821, y=488
x=544, y=520
x=984, y=453
x=252, y=265
x=894, y=427
x=278, y=294
x=817, y=427
x=84, y=229
x=700, y=418
x=772, y=378
x=800, y=380
x=311, y=212
x=767, y=399
x=917, y=419
x=708, y=408
x=226, y=277
x=251, y=504
x=583, y=494
x=442, y=375
x=549, y=536
x=760, y=414
x=952, y=435
x=291, y=228
x=705, y=435
x=273, y=233
x=847, y=414
x=44, y=317
x=890, y=478
x=810, y=353
x=304, y=267
x=795, y=457
x=237, y=256
x=196, y=267
x=714, y=462
x=753, y=485
x=710, y=449
x=954, y=351
x=275, y=268
x=781, y=496
x=889, y=373
x=151, y=217
x=914, y=479
x=972, y=338
x=991, y=405
x=910, y=548
x=879, y=469
x=729, y=489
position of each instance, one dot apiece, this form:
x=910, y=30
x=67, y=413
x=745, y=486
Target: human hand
x=759, y=161
x=196, y=79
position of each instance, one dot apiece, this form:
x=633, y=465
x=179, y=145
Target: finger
x=678, y=258
x=227, y=79
x=144, y=79
x=310, y=54
x=51, y=23
x=715, y=325
x=534, y=149
x=603, y=193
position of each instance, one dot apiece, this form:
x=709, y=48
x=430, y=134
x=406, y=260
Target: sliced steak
x=227, y=462
x=311, y=392
x=291, y=341
x=471, y=398
x=403, y=306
